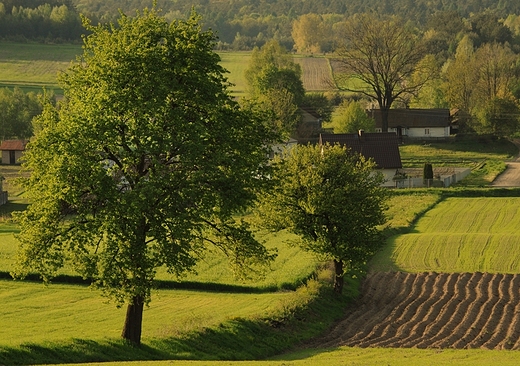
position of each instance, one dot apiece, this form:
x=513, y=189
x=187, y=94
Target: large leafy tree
x=332, y=199
x=145, y=163
x=383, y=55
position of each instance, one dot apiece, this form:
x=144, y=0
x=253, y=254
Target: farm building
x=416, y=123
x=382, y=148
x=12, y=151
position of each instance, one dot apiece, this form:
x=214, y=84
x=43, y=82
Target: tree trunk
x=134, y=321
x=384, y=119
x=338, y=276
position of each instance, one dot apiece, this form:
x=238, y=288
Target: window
x=426, y=131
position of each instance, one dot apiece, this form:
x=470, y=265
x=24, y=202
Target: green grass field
x=346, y=356
x=459, y=235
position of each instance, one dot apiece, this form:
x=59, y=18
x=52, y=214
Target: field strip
x=462, y=235
x=462, y=311
x=315, y=73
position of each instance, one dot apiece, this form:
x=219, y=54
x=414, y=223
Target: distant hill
x=239, y=24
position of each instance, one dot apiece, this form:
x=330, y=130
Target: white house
x=416, y=123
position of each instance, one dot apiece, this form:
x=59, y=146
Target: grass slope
x=459, y=235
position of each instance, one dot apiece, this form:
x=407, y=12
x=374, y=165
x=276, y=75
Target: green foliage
x=146, y=162
x=427, y=171
x=17, y=110
x=500, y=117
x=274, y=82
x=332, y=199
x=350, y=117
x=319, y=103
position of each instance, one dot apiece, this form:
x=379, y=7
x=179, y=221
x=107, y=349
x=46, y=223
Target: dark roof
x=410, y=117
x=383, y=147
x=13, y=145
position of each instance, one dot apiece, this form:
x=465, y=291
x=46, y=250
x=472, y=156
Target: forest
x=242, y=24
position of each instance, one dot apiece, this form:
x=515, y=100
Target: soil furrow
x=430, y=310
x=512, y=337
x=501, y=315
x=460, y=321
x=402, y=285
x=454, y=295
x=380, y=292
x=478, y=333
x=390, y=324
x=412, y=311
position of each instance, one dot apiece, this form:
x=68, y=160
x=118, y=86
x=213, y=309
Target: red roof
x=382, y=147
x=13, y=145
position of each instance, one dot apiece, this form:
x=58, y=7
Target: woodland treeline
x=245, y=24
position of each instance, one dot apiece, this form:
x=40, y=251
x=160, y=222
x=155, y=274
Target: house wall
x=428, y=132
x=5, y=157
x=421, y=132
x=388, y=174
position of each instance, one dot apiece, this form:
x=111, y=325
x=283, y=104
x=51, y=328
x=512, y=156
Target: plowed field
x=316, y=73
x=432, y=310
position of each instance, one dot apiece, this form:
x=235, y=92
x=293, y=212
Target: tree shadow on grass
x=7, y=210
x=236, y=339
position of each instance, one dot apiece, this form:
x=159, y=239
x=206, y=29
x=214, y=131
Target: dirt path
x=432, y=310
x=511, y=176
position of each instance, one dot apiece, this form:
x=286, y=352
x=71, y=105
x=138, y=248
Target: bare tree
x=383, y=55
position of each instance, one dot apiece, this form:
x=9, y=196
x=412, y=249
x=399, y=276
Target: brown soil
x=511, y=176
x=432, y=310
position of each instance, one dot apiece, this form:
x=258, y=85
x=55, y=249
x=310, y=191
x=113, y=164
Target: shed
x=12, y=151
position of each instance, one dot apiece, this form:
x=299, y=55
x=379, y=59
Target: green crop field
x=459, y=235
x=33, y=66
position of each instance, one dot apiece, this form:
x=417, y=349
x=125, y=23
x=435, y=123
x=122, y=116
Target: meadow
x=33, y=66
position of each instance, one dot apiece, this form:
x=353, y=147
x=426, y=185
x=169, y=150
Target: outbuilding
x=12, y=151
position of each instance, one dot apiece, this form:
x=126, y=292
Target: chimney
x=361, y=135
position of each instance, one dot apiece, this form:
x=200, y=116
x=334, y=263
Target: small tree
x=146, y=163
x=427, y=172
x=332, y=199
x=350, y=117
